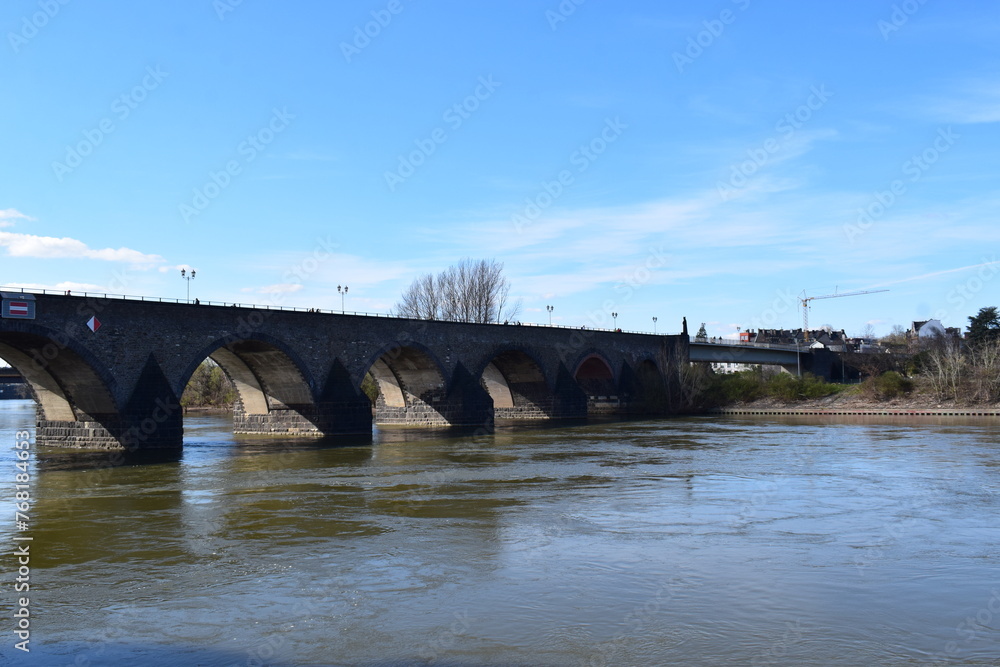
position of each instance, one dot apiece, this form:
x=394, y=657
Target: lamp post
x=550, y=309
x=188, y=278
x=342, y=294
x=798, y=359
x=654, y=324
x=614, y=316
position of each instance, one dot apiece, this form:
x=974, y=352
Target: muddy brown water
x=694, y=541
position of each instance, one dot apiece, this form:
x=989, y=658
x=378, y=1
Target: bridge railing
x=296, y=309
x=743, y=343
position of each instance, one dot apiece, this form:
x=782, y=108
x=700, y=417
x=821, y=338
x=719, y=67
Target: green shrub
x=788, y=387
x=750, y=385
x=888, y=385
x=370, y=387
x=784, y=386
x=209, y=386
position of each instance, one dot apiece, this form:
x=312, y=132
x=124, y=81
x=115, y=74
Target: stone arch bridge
x=109, y=372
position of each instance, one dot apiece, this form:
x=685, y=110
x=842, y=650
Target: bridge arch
x=515, y=381
x=274, y=389
x=74, y=394
x=411, y=386
x=594, y=375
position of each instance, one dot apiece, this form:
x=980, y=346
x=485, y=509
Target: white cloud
x=935, y=274
x=177, y=268
x=49, y=247
x=9, y=215
x=971, y=102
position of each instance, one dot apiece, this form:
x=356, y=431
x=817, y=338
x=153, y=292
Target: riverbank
x=209, y=409
x=854, y=402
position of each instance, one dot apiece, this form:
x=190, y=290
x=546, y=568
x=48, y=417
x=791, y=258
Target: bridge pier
x=326, y=418
x=569, y=401
x=84, y=433
x=465, y=406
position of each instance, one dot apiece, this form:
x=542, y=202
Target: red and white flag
x=18, y=308
x=94, y=324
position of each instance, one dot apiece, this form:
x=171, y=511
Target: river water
x=695, y=541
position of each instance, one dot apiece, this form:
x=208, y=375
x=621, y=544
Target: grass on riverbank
x=752, y=388
x=753, y=384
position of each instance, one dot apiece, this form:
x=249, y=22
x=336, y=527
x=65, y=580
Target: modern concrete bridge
x=732, y=352
x=794, y=359
x=109, y=371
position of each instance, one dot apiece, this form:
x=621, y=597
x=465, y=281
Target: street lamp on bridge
x=614, y=316
x=342, y=295
x=654, y=324
x=550, y=309
x=188, y=279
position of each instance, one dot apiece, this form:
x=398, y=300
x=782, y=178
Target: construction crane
x=806, y=299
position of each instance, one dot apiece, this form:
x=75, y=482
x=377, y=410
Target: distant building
x=835, y=341
x=931, y=329
x=927, y=329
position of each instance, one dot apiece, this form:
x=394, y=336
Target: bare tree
x=897, y=337
x=984, y=362
x=471, y=291
x=420, y=300
x=946, y=370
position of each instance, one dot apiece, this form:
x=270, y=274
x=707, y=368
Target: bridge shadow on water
x=50, y=459
x=203, y=440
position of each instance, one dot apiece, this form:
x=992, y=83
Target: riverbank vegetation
x=706, y=389
x=950, y=373
x=209, y=387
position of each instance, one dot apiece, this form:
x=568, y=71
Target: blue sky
x=711, y=160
